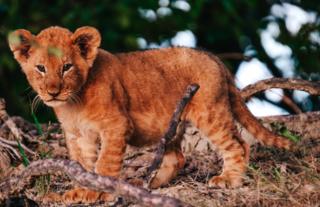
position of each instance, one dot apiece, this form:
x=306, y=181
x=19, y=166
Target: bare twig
x=285, y=83
x=172, y=129
x=6, y=119
x=234, y=56
x=288, y=101
x=85, y=179
x=15, y=144
x=10, y=149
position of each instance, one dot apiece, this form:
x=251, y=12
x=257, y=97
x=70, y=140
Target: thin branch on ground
x=285, y=83
x=8, y=121
x=86, y=179
x=15, y=144
x=12, y=151
x=171, y=131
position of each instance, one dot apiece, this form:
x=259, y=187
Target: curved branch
x=285, y=83
x=86, y=179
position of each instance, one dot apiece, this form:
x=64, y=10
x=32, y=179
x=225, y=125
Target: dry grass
x=274, y=178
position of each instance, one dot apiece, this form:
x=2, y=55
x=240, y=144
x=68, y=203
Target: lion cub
x=105, y=100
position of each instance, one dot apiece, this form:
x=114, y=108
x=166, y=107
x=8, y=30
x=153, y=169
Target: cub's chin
x=55, y=103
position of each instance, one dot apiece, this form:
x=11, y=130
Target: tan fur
x=107, y=100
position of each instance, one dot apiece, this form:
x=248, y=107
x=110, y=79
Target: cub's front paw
x=51, y=197
x=80, y=195
x=225, y=181
x=107, y=197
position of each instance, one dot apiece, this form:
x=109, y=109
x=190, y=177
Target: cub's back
x=155, y=80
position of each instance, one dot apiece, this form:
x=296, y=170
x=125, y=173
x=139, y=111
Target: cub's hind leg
x=218, y=125
x=173, y=161
x=234, y=160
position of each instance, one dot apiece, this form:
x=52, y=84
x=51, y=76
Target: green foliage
x=285, y=132
x=36, y=121
x=25, y=159
x=220, y=26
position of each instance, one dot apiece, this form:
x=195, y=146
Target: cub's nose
x=53, y=87
x=53, y=93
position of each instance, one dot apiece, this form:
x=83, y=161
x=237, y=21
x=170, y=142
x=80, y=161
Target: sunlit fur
x=107, y=100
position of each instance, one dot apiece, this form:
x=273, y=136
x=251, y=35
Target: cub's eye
x=41, y=68
x=66, y=67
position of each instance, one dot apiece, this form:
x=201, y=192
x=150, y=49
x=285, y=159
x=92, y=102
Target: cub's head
x=56, y=61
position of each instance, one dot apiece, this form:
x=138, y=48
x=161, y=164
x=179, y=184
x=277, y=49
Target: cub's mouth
x=60, y=100
x=54, y=102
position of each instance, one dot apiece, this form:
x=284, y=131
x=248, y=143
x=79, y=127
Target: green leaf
x=286, y=133
x=23, y=155
x=277, y=173
x=36, y=121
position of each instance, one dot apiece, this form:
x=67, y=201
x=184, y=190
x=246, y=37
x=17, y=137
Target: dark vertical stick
x=172, y=129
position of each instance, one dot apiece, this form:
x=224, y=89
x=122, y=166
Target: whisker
x=26, y=91
x=76, y=99
x=38, y=103
x=35, y=103
x=71, y=99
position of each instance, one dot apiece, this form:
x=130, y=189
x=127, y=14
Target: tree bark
x=285, y=83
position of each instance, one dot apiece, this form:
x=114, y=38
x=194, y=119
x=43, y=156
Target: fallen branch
x=85, y=179
x=6, y=120
x=9, y=145
x=285, y=83
x=15, y=144
x=305, y=124
x=12, y=151
x=172, y=130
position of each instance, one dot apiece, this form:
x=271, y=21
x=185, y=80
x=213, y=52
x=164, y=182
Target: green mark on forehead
x=55, y=52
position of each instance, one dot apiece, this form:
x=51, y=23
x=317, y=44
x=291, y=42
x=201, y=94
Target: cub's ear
x=87, y=39
x=20, y=42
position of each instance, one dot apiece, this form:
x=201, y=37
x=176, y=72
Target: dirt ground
x=274, y=177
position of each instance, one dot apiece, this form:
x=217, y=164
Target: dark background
x=219, y=26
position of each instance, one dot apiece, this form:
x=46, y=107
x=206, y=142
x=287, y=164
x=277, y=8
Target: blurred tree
x=219, y=26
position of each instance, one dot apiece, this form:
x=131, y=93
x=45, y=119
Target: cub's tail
x=244, y=116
